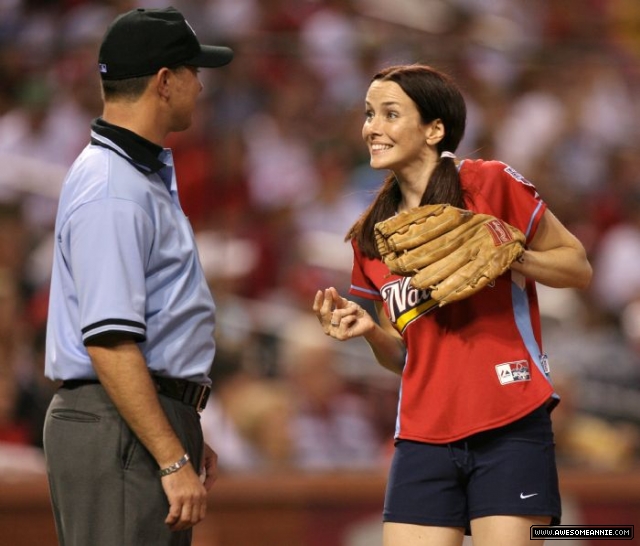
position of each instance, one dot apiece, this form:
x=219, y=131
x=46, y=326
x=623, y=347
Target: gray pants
x=105, y=488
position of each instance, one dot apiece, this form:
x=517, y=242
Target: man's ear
x=434, y=132
x=163, y=83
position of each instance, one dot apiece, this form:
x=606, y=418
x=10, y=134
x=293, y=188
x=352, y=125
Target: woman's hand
x=341, y=318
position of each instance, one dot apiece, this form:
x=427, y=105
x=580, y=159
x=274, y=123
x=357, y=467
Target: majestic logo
x=406, y=303
x=513, y=372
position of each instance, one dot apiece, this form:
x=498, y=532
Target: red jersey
x=474, y=364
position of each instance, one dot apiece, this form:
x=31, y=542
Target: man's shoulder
x=87, y=175
x=97, y=175
x=100, y=173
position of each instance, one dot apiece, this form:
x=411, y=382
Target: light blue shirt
x=125, y=263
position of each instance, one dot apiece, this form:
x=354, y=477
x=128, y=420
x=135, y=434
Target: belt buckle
x=202, y=399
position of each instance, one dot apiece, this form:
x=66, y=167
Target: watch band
x=175, y=466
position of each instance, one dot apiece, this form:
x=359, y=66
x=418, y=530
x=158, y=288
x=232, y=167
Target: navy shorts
x=510, y=470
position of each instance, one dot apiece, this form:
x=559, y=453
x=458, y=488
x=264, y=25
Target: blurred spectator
x=247, y=423
x=616, y=265
x=12, y=430
x=538, y=108
x=331, y=45
x=630, y=324
x=587, y=440
x=279, y=162
x=596, y=371
x=332, y=428
x=335, y=205
x=25, y=391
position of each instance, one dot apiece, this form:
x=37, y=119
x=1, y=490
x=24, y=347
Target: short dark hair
x=129, y=89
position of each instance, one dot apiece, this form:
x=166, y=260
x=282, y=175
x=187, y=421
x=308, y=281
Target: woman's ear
x=434, y=132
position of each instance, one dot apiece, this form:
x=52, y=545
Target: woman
x=474, y=441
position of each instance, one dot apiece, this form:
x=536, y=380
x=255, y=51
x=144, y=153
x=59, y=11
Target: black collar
x=142, y=152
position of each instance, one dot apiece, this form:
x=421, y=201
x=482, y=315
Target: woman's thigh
x=505, y=530
x=406, y=534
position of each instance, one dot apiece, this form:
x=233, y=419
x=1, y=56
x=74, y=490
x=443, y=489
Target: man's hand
x=187, y=498
x=210, y=467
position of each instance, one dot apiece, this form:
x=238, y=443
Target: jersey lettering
x=406, y=303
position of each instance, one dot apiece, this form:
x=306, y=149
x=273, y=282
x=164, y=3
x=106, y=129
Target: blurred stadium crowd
x=274, y=172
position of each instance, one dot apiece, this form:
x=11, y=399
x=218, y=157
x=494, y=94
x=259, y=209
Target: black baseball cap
x=142, y=41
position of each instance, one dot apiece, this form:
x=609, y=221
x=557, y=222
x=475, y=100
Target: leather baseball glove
x=450, y=251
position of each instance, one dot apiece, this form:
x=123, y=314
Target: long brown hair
x=437, y=97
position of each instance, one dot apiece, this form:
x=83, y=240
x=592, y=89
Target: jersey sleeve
x=511, y=197
x=107, y=243
x=361, y=284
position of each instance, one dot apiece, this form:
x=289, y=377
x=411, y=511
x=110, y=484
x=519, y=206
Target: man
x=130, y=330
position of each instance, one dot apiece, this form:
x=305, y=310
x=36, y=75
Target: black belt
x=188, y=392
x=192, y=394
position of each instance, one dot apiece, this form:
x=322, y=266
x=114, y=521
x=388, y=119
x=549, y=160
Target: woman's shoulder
x=489, y=181
x=482, y=166
x=479, y=173
x=476, y=175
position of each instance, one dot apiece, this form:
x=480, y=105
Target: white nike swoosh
x=523, y=496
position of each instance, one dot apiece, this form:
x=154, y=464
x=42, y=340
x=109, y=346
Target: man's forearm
x=123, y=373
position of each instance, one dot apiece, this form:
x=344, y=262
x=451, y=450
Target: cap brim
x=211, y=57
